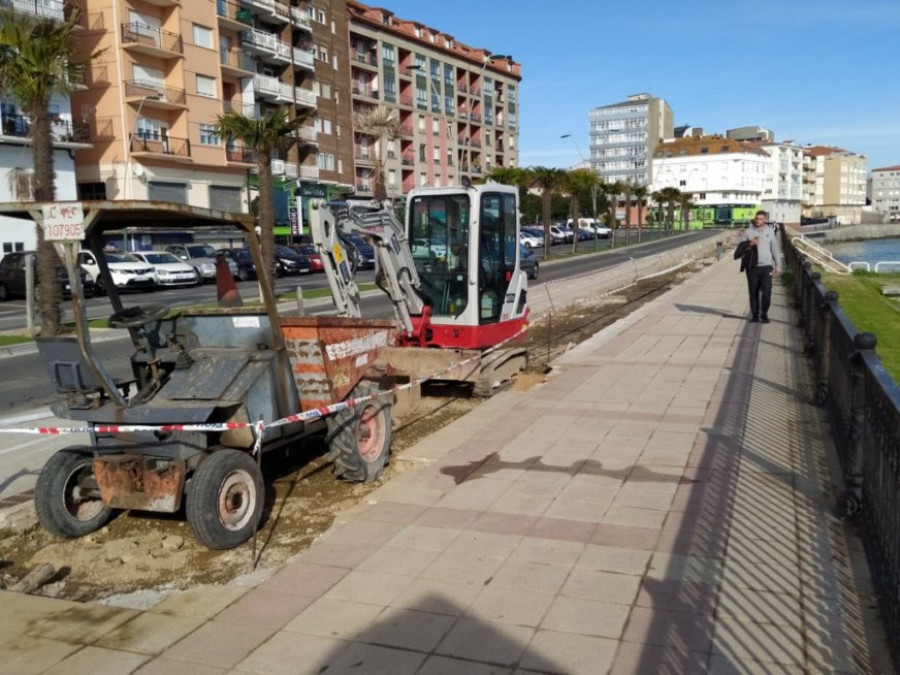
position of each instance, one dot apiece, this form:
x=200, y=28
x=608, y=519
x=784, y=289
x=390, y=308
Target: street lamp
x=131, y=167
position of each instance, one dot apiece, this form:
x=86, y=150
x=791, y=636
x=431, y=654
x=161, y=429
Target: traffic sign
x=63, y=221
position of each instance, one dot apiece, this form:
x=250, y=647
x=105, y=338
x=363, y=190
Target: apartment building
x=624, y=136
x=834, y=182
x=168, y=70
x=886, y=192
x=456, y=105
x=782, y=196
x=16, y=155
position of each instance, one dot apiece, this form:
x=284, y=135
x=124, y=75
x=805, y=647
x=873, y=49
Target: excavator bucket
x=330, y=355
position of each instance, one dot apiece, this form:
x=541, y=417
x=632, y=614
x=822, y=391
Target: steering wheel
x=135, y=317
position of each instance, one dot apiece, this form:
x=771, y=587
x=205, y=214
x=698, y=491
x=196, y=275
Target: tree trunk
x=546, y=207
x=45, y=191
x=266, y=215
x=640, y=207
x=380, y=191
x=574, y=214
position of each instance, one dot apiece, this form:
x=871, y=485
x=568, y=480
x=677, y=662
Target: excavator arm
x=395, y=270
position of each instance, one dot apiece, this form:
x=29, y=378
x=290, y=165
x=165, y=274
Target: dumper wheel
x=359, y=438
x=225, y=499
x=66, y=498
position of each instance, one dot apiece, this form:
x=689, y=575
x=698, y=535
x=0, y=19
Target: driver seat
x=68, y=370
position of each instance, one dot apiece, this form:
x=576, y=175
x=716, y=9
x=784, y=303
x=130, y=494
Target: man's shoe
x=765, y=319
x=754, y=319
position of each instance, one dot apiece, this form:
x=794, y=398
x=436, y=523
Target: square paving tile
x=564, y=530
x=150, y=633
x=334, y=619
x=292, y=654
x=548, y=551
x=586, y=617
x=553, y=652
x=740, y=640
x=374, y=588
x=438, y=596
x=376, y=660
x=635, y=658
x=614, y=559
x=203, y=602
x=693, y=632
x=163, y=666
x=522, y=608
x=443, y=665
x=399, y=560
x=620, y=589
x=629, y=516
x=81, y=623
x=219, y=644
x=425, y=538
x=407, y=629
x=486, y=641
x=484, y=543
x=687, y=597
x=465, y=567
x=265, y=609
x=31, y=655
x=624, y=536
x=530, y=576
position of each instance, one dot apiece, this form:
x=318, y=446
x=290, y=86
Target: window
x=208, y=135
x=323, y=54
x=325, y=90
x=92, y=191
x=203, y=36
x=320, y=16
x=392, y=177
x=206, y=86
x=436, y=154
x=422, y=151
x=226, y=198
x=387, y=54
x=436, y=127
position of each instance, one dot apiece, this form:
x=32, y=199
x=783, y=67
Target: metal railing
x=159, y=144
x=154, y=91
x=61, y=130
x=863, y=404
x=142, y=34
x=237, y=153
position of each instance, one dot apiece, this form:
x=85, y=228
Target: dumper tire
x=225, y=499
x=66, y=497
x=359, y=437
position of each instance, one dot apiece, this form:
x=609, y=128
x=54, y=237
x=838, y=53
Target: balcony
x=240, y=155
x=143, y=39
x=363, y=186
x=235, y=62
x=462, y=88
x=245, y=109
x=300, y=19
x=307, y=135
x=281, y=167
x=303, y=58
x=407, y=160
x=272, y=88
x=39, y=9
x=144, y=144
x=309, y=171
x=164, y=3
x=269, y=10
x=267, y=46
x=475, y=117
x=304, y=98
x=65, y=133
x=233, y=16
x=363, y=156
x=406, y=100
x=368, y=59
x=155, y=95
x=406, y=131
x=365, y=92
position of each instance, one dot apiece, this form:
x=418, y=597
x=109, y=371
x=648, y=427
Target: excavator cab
x=464, y=244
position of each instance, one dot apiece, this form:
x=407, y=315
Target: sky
x=824, y=72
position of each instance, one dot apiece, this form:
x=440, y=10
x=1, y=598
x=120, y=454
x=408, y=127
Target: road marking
x=37, y=441
x=27, y=417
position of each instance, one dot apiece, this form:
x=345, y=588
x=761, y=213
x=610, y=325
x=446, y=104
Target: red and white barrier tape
x=258, y=427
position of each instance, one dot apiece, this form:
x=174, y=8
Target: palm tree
x=550, y=180
x=640, y=193
x=669, y=196
x=36, y=63
x=382, y=123
x=271, y=133
x=686, y=205
x=613, y=190
x=509, y=175
x=629, y=191
x=578, y=182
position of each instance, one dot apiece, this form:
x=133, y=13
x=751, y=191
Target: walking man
x=764, y=240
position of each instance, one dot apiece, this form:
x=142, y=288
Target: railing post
x=824, y=369
x=850, y=500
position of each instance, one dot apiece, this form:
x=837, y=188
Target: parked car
x=246, y=268
x=13, y=276
x=202, y=257
x=170, y=270
x=288, y=261
x=528, y=262
x=365, y=252
x=537, y=233
x=127, y=272
x=423, y=247
x=557, y=236
x=529, y=240
x=315, y=258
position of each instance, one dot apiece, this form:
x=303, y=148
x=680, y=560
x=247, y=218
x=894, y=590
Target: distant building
x=886, y=192
x=834, y=183
x=726, y=179
x=751, y=134
x=624, y=135
x=782, y=196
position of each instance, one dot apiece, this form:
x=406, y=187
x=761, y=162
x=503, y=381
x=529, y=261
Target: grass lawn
x=870, y=311
x=9, y=340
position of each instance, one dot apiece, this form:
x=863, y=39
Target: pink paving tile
x=164, y=666
x=635, y=658
x=438, y=516
x=565, y=530
x=265, y=609
x=219, y=644
x=503, y=523
x=623, y=536
x=392, y=512
x=660, y=627
x=303, y=578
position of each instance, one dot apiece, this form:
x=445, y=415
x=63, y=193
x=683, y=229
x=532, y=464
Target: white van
x=592, y=225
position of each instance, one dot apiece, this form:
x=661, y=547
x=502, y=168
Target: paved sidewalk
x=660, y=505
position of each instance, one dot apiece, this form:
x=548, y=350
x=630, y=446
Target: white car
x=169, y=269
x=529, y=240
x=127, y=271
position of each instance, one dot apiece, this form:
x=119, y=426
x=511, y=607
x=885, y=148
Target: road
x=26, y=384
